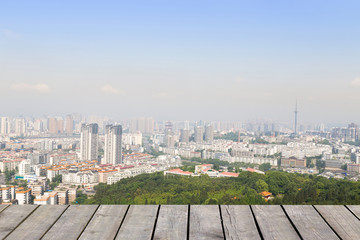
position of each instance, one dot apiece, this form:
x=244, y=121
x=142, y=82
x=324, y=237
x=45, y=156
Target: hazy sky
x=211, y=60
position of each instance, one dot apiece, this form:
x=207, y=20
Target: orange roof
x=23, y=191
x=42, y=199
x=266, y=194
x=107, y=171
x=230, y=174
x=178, y=170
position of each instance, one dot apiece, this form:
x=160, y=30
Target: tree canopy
x=286, y=188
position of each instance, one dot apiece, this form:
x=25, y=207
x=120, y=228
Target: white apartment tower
x=5, y=126
x=199, y=134
x=209, y=133
x=89, y=142
x=185, y=135
x=20, y=126
x=113, y=141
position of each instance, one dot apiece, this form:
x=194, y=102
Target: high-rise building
x=199, y=134
x=69, y=124
x=184, y=135
x=169, y=140
x=186, y=125
x=52, y=125
x=39, y=125
x=149, y=125
x=56, y=126
x=113, y=142
x=209, y=133
x=5, y=126
x=60, y=126
x=20, y=127
x=169, y=126
x=352, y=132
x=143, y=125
x=89, y=141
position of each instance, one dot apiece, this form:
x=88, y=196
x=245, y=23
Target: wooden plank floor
x=179, y=222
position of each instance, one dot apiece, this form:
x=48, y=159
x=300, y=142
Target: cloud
x=355, y=82
x=25, y=87
x=8, y=33
x=108, y=89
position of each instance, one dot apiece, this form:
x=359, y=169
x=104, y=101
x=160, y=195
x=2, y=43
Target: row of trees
x=287, y=188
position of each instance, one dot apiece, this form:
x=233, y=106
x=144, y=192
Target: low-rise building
x=63, y=196
x=353, y=168
x=49, y=198
x=293, y=162
x=178, y=171
x=23, y=196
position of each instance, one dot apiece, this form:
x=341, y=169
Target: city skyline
x=62, y=124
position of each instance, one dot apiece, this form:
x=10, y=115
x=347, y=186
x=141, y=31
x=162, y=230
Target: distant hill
x=248, y=188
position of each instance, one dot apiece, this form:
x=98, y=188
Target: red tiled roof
x=230, y=174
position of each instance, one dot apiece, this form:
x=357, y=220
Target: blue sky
x=218, y=60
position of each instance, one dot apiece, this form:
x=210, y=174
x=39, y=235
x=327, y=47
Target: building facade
x=209, y=133
x=89, y=142
x=113, y=144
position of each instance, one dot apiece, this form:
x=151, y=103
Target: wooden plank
x=309, y=223
x=72, y=222
x=105, y=223
x=239, y=222
x=139, y=222
x=205, y=222
x=12, y=216
x=36, y=225
x=172, y=223
x=355, y=209
x=273, y=222
x=344, y=223
x=2, y=207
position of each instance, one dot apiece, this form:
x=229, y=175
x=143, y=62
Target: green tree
x=264, y=167
x=211, y=201
x=344, y=166
x=287, y=188
x=261, y=186
x=57, y=179
x=320, y=165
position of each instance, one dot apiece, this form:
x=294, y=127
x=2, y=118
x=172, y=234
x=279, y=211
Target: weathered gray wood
x=105, y=223
x=172, y=223
x=2, y=207
x=36, y=225
x=139, y=222
x=239, y=222
x=205, y=222
x=309, y=223
x=72, y=222
x=355, y=209
x=344, y=223
x=12, y=216
x=273, y=222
